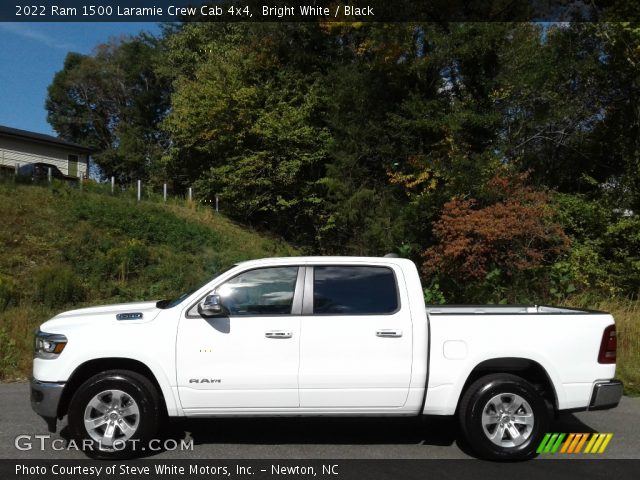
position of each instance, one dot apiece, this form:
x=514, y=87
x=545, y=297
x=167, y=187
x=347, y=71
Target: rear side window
x=353, y=290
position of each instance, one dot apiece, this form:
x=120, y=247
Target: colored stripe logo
x=553, y=443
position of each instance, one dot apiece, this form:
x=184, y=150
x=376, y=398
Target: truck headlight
x=49, y=345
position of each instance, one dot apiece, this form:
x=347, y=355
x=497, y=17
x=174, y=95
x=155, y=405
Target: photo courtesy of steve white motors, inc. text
x=190, y=468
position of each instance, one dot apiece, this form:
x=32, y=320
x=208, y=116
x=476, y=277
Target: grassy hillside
x=61, y=248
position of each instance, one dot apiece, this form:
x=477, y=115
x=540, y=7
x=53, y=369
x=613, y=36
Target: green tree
x=112, y=101
x=246, y=122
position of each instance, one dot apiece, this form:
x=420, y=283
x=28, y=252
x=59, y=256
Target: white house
x=19, y=147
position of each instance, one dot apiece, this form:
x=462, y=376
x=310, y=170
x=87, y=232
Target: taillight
x=608, y=346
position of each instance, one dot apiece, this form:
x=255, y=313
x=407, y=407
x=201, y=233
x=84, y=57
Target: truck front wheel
x=503, y=417
x=114, y=414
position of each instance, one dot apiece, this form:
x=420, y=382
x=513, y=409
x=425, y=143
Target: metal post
x=49, y=174
x=113, y=185
x=164, y=192
x=139, y=190
x=216, y=203
x=190, y=194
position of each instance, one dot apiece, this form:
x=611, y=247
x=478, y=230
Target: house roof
x=42, y=138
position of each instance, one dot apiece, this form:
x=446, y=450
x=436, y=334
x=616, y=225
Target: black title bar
x=318, y=10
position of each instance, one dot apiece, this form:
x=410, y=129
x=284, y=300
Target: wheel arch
x=528, y=369
x=95, y=366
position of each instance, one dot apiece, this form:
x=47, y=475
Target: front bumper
x=606, y=395
x=45, y=397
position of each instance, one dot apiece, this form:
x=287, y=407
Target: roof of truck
x=326, y=259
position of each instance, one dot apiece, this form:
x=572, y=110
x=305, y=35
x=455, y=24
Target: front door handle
x=278, y=334
x=389, y=333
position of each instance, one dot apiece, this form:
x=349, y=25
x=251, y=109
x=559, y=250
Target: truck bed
x=504, y=310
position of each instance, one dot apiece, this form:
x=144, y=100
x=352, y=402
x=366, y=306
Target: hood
x=105, y=313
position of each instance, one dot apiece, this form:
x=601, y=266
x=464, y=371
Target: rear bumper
x=45, y=397
x=606, y=395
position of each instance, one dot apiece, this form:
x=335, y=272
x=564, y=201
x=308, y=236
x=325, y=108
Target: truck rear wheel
x=503, y=417
x=114, y=414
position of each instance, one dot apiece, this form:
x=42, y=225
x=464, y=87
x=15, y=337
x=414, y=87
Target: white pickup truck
x=329, y=336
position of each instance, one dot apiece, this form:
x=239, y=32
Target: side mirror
x=212, y=306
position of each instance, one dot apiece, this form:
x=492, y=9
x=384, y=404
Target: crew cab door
x=250, y=357
x=356, y=338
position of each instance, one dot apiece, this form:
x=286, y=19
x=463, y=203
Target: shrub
x=151, y=224
x=127, y=260
x=492, y=241
x=604, y=258
x=57, y=285
x=621, y=248
x=7, y=292
x=433, y=295
x=9, y=355
x=583, y=269
x=581, y=217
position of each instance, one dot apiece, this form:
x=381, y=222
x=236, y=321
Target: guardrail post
x=139, y=190
x=49, y=174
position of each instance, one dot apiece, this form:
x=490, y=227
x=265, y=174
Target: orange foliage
x=420, y=182
x=513, y=231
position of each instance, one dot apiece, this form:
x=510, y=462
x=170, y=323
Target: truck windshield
x=164, y=304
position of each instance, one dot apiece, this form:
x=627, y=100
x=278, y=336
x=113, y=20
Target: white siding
x=23, y=151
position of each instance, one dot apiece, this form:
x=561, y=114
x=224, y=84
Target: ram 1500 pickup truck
x=333, y=336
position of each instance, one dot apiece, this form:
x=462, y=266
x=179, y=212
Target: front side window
x=264, y=291
x=354, y=290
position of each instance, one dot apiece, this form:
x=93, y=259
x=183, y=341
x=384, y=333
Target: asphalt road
x=311, y=438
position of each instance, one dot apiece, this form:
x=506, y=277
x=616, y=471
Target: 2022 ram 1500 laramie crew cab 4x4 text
x=321, y=336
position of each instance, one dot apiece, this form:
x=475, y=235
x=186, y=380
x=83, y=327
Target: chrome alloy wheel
x=507, y=420
x=111, y=418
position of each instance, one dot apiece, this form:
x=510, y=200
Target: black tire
x=502, y=389
x=138, y=391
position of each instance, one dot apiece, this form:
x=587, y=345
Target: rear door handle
x=389, y=333
x=278, y=334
